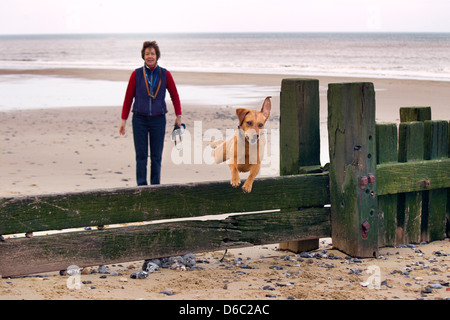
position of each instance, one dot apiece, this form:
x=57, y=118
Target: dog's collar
x=240, y=133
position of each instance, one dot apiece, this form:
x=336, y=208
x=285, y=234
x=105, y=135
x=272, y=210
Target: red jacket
x=129, y=96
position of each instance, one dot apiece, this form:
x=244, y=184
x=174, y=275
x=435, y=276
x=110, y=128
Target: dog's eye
x=260, y=125
x=249, y=123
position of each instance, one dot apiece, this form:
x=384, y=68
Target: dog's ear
x=241, y=113
x=267, y=105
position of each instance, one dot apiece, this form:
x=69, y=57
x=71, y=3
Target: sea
x=375, y=55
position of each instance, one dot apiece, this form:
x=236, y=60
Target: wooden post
x=299, y=137
x=353, y=192
x=413, y=206
x=299, y=125
x=409, y=215
x=448, y=192
x=435, y=201
x=408, y=114
x=387, y=204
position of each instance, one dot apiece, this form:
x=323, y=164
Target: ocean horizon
x=421, y=56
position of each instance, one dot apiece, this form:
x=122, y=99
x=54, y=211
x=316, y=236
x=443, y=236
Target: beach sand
x=77, y=149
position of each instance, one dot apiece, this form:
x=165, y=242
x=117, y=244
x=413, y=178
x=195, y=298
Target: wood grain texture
x=57, y=252
x=111, y=206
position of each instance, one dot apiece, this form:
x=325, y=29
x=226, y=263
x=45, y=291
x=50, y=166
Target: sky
x=143, y=16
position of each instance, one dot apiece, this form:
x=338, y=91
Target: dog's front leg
x=254, y=170
x=235, y=180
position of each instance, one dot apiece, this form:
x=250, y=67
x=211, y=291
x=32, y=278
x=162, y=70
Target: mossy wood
x=413, y=192
x=133, y=243
x=395, y=178
x=379, y=195
x=112, y=206
x=354, y=205
x=299, y=125
x=299, y=136
x=435, y=201
x=387, y=204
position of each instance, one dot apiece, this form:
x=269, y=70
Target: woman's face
x=150, y=57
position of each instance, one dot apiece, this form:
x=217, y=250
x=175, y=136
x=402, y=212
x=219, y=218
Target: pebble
x=167, y=292
x=355, y=271
x=305, y=254
x=406, y=246
x=139, y=275
x=277, y=267
x=427, y=290
x=103, y=269
x=151, y=267
x=283, y=284
x=185, y=262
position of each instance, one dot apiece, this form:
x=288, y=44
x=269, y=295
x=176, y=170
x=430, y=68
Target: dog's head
x=251, y=121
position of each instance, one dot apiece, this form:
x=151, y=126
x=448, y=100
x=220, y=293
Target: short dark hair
x=151, y=44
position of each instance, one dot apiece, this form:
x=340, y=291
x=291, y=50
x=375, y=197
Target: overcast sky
x=125, y=16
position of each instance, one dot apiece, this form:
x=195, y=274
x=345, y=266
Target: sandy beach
x=77, y=149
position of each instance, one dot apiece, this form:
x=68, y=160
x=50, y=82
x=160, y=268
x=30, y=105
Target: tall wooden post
x=387, y=152
x=435, y=201
x=299, y=137
x=299, y=125
x=411, y=148
x=447, y=228
x=353, y=191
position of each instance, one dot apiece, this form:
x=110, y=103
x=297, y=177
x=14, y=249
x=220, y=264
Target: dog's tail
x=215, y=144
x=219, y=151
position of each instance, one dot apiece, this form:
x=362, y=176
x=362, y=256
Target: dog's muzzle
x=253, y=139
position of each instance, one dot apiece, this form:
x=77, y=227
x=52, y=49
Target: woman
x=147, y=86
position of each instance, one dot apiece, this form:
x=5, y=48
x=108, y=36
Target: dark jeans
x=148, y=129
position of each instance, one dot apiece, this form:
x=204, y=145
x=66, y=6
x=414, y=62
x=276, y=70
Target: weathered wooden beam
x=353, y=191
x=111, y=206
x=413, y=176
x=87, y=248
x=387, y=204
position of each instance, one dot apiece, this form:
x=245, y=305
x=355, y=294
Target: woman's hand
x=122, y=127
x=178, y=121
